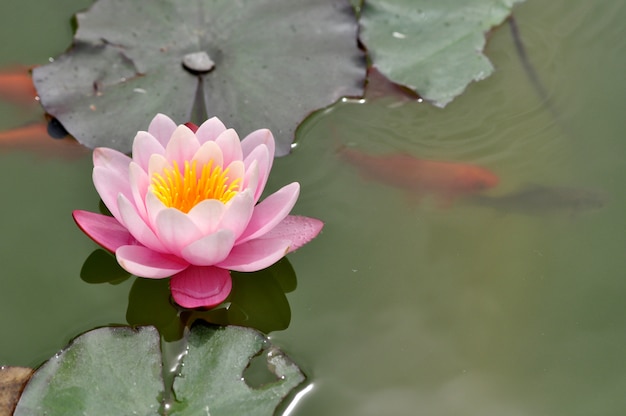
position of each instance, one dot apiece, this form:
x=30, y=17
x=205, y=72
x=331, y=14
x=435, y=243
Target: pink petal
x=111, y=159
x=251, y=177
x=231, y=146
x=261, y=155
x=255, y=255
x=210, y=249
x=207, y=215
x=207, y=152
x=197, y=287
x=257, y=138
x=162, y=127
x=175, y=230
x=238, y=213
x=139, y=183
x=102, y=229
x=210, y=130
x=271, y=211
x=153, y=207
x=109, y=184
x=182, y=146
x=136, y=225
x=157, y=164
x=297, y=229
x=236, y=170
x=143, y=262
x=144, y=146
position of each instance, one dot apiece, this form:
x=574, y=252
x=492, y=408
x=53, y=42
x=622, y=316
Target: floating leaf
x=211, y=379
x=254, y=64
x=118, y=371
x=107, y=371
x=431, y=46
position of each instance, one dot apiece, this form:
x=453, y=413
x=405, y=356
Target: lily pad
x=433, y=47
x=107, y=371
x=254, y=64
x=118, y=371
x=211, y=379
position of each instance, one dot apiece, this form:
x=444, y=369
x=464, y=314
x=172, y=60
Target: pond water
x=502, y=305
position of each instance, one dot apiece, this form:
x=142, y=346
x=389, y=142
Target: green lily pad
x=254, y=64
x=211, y=379
x=107, y=371
x=118, y=371
x=433, y=47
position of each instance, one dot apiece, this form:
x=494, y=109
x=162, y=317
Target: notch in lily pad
x=198, y=63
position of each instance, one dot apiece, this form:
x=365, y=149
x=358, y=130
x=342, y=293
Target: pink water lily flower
x=185, y=206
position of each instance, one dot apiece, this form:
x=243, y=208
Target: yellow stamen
x=183, y=190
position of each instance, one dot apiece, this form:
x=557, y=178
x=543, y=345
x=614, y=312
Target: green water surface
x=403, y=306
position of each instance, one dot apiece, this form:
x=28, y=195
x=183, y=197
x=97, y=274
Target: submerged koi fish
x=16, y=85
x=445, y=180
x=45, y=138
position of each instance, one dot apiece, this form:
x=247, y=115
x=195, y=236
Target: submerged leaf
x=262, y=63
x=431, y=46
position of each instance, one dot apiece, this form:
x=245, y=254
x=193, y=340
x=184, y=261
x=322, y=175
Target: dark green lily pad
x=253, y=63
x=433, y=47
x=118, y=371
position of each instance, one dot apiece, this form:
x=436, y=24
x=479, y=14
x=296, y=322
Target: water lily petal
x=257, y=138
x=162, y=127
x=182, y=146
x=104, y=230
x=207, y=152
x=111, y=159
x=255, y=254
x=110, y=184
x=157, y=164
x=238, y=213
x=175, y=230
x=207, y=215
x=260, y=155
x=210, y=249
x=297, y=229
x=231, y=146
x=197, y=287
x=143, y=262
x=144, y=146
x=210, y=130
x=136, y=225
x=153, y=207
x=269, y=212
x=251, y=178
x=139, y=183
x=236, y=170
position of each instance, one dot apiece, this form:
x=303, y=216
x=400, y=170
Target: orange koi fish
x=16, y=85
x=37, y=137
x=445, y=180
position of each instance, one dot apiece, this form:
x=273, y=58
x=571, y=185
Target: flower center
x=183, y=190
